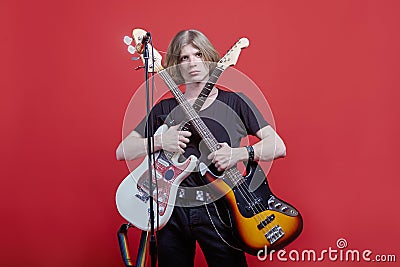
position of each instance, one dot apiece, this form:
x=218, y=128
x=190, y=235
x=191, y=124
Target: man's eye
x=199, y=54
x=184, y=58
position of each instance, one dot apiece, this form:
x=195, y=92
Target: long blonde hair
x=185, y=37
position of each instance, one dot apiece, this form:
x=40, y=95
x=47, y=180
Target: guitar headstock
x=231, y=57
x=138, y=34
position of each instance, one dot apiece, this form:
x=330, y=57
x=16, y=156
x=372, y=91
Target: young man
x=230, y=117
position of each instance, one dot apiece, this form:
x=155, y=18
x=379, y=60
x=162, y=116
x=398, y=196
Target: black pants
x=177, y=240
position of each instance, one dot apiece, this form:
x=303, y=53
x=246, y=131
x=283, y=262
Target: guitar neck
x=190, y=113
x=198, y=104
x=201, y=99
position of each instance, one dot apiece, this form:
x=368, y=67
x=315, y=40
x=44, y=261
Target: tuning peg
x=128, y=40
x=131, y=49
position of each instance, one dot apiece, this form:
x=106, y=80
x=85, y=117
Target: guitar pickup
x=264, y=223
x=163, y=162
x=143, y=196
x=253, y=205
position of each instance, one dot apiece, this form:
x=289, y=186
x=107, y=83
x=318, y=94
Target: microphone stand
x=149, y=129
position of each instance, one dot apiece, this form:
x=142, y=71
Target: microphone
x=145, y=40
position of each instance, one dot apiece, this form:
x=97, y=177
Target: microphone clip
x=143, y=41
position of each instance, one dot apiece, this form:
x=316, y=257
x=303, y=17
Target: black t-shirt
x=230, y=117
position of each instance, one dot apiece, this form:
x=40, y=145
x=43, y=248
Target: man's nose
x=193, y=60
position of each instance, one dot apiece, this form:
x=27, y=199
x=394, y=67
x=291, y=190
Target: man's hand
x=226, y=157
x=173, y=140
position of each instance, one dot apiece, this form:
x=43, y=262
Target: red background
x=329, y=69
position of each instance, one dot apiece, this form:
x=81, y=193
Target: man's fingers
x=184, y=139
x=211, y=156
x=182, y=144
x=185, y=133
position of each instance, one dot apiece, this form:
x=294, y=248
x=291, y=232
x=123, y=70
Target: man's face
x=192, y=67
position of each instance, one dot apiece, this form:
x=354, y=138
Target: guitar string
x=199, y=102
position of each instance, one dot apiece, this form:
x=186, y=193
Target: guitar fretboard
x=198, y=104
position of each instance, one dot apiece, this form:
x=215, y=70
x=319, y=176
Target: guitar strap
x=124, y=248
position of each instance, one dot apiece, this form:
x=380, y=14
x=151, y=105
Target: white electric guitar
x=133, y=195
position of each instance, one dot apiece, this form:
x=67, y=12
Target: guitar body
x=133, y=196
x=259, y=218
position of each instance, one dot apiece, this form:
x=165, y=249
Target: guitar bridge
x=274, y=234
